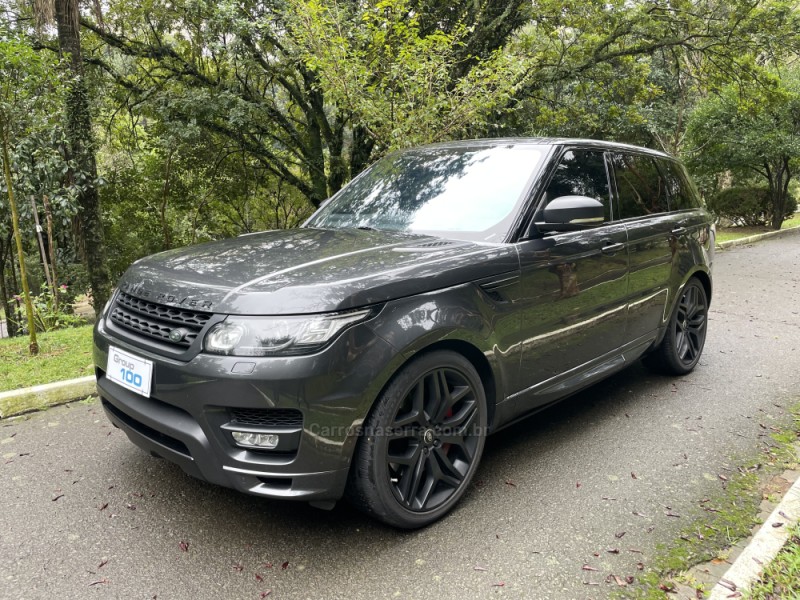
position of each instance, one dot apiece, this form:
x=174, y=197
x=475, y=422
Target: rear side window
x=641, y=188
x=581, y=173
x=681, y=193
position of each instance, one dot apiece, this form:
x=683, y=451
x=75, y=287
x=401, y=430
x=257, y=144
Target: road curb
x=756, y=238
x=16, y=402
x=762, y=549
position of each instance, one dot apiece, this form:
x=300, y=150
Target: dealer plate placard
x=129, y=371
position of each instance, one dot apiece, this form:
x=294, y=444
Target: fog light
x=267, y=441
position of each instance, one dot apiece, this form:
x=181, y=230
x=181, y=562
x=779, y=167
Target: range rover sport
x=444, y=293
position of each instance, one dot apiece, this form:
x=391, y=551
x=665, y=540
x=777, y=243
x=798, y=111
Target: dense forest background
x=129, y=127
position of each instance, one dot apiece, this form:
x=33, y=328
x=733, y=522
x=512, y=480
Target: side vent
x=430, y=246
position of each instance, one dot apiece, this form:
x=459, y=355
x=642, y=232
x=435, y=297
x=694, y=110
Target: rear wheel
x=680, y=350
x=422, y=442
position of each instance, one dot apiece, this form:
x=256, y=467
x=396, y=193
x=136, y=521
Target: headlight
x=283, y=336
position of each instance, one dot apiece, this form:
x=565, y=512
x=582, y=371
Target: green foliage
x=221, y=118
x=31, y=95
x=375, y=63
x=748, y=206
x=48, y=315
x=752, y=131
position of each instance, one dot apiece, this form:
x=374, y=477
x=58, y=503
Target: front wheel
x=680, y=350
x=422, y=442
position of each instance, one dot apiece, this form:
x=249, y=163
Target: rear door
x=653, y=239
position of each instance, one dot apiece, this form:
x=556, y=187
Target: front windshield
x=468, y=193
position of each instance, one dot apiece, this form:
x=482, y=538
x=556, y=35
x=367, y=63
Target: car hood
x=310, y=270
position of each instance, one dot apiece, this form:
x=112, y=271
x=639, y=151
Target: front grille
x=267, y=417
x=157, y=320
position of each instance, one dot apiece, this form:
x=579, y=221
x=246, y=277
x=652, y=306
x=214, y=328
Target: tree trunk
x=361, y=150
x=779, y=190
x=51, y=246
x=34, y=345
x=6, y=255
x=81, y=150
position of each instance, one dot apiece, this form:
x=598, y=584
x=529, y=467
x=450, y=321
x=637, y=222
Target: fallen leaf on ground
x=285, y=565
x=613, y=550
x=259, y=578
x=237, y=567
x=103, y=563
x=727, y=584
x=619, y=534
x=511, y=483
x=633, y=475
x=588, y=568
x=184, y=546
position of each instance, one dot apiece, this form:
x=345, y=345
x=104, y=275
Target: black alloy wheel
x=423, y=442
x=680, y=350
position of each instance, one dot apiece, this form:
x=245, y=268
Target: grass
x=721, y=521
x=734, y=233
x=781, y=578
x=63, y=354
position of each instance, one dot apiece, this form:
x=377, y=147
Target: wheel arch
x=705, y=279
x=489, y=380
x=478, y=360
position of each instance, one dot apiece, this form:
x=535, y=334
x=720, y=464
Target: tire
x=420, y=446
x=680, y=350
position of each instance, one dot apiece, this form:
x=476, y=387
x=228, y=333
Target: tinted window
x=581, y=173
x=640, y=186
x=681, y=194
x=473, y=193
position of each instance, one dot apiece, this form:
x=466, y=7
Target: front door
x=574, y=286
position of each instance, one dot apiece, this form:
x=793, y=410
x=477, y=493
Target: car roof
x=546, y=141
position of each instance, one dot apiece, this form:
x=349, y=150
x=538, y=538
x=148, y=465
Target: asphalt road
x=83, y=513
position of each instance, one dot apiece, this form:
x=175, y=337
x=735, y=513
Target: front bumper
x=193, y=404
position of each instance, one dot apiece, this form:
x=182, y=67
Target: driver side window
x=581, y=173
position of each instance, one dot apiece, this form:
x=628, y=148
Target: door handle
x=679, y=231
x=610, y=248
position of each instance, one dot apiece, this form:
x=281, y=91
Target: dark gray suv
x=444, y=293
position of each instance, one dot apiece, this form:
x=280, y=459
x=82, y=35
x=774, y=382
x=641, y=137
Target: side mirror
x=571, y=213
